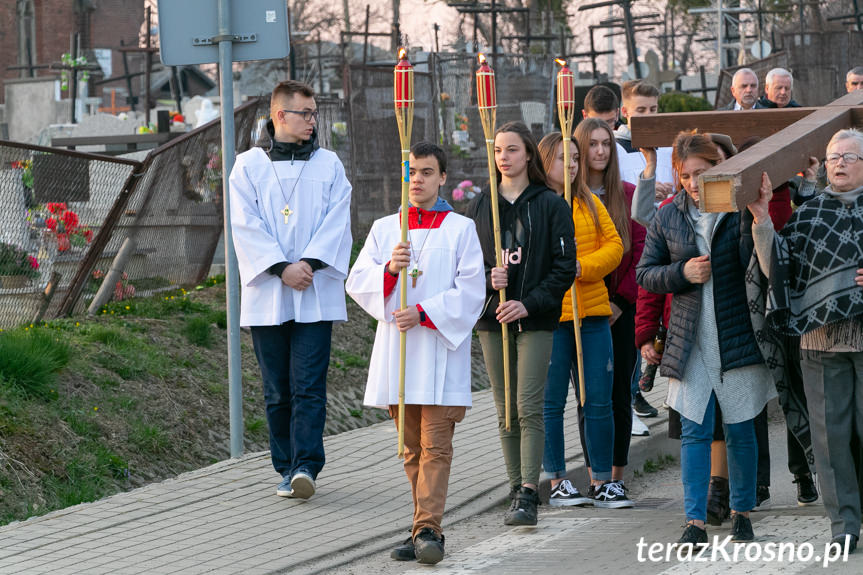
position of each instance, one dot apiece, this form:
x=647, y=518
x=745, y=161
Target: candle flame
x=560, y=61
x=402, y=53
x=481, y=58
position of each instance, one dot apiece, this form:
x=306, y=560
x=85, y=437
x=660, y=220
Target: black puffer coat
x=670, y=243
x=538, y=239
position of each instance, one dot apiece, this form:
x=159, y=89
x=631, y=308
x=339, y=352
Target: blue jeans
x=695, y=443
x=294, y=358
x=598, y=355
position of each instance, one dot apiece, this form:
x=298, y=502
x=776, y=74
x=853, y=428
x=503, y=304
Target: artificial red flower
x=51, y=224
x=34, y=263
x=88, y=235
x=63, y=243
x=70, y=219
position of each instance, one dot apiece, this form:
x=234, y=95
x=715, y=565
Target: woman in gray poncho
x=815, y=266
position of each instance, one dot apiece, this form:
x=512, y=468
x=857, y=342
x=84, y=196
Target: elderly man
x=744, y=88
x=854, y=79
x=816, y=292
x=777, y=90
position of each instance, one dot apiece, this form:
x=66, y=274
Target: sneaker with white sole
x=639, y=429
x=302, y=485
x=284, y=488
x=567, y=495
x=611, y=495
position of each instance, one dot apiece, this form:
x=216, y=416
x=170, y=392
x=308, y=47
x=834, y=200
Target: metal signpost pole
x=232, y=275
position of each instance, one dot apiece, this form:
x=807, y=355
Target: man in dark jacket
x=777, y=90
x=744, y=89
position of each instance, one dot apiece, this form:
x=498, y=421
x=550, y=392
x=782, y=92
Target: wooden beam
x=733, y=184
x=659, y=130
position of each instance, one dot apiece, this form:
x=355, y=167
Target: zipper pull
x=562, y=250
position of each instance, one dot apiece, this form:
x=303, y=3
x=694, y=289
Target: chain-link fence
x=64, y=216
x=446, y=113
x=53, y=205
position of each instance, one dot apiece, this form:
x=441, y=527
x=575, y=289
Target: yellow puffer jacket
x=599, y=255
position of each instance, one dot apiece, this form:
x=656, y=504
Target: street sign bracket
x=235, y=38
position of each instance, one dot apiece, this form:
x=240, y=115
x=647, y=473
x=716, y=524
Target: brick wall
x=110, y=22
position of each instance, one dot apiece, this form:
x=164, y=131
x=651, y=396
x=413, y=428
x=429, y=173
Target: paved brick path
x=226, y=518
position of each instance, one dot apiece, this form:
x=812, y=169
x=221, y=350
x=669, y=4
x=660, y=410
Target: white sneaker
x=638, y=427
x=611, y=495
x=302, y=485
x=566, y=495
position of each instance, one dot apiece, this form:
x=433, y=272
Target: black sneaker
x=718, y=508
x=693, y=535
x=566, y=495
x=428, y=546
x=741, y=528
x=405, y=551
x=523, y=508
x=807, y=494
x=845, y=538
x=762, y=495
x=611, y=495
x=642, y=408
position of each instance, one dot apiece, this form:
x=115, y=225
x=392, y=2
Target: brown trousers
x=428, y=458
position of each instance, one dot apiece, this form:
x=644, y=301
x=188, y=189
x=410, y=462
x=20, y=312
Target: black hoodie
x=538, y=240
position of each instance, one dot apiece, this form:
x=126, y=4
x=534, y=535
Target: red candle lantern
x=404, y=82
x=486, y=94
x=565, y=86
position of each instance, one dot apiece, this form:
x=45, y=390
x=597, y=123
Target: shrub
x=680, y=102
x=30, y=360
x=198, y=331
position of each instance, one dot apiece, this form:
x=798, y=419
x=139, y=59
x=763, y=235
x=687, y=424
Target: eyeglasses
x=306, y=114
x=849, y=157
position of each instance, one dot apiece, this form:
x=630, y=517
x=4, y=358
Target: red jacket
x=622, y=280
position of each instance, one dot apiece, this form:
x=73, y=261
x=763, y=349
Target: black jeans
x=294, y=358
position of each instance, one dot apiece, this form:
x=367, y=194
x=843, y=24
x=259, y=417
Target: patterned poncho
x=813, y=268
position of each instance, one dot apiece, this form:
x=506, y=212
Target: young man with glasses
x=290, y=216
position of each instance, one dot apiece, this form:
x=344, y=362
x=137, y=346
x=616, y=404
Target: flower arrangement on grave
x=213, y=170
x=63, y=223
x=15, y=261
x=26, y=167
x=465, y=191
x=123, y=289
x=461, y=122
x=79, y=62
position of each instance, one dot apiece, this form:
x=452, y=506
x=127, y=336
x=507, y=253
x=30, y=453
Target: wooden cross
x=791, y=135
x=287, y=212
x=415, y=274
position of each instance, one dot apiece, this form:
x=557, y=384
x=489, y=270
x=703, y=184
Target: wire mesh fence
x=53, y=204
x=64, y=216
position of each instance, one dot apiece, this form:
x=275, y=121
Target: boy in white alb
x=446, y=290
x=290, y=216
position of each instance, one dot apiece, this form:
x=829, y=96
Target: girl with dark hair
x=685, y=249
x=599, y=253
x=539, y=266
x=600, y=173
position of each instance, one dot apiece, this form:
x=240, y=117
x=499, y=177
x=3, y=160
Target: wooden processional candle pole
x=566, y=113
x=403, y=98
x=486, y=98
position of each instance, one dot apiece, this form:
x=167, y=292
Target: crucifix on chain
x=287, y=212
x=415, y=273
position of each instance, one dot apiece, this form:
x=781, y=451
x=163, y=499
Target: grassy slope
x=144, y=396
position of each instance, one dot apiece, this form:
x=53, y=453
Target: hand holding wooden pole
x=486, y=97
x=566, y=113
x=403, y=98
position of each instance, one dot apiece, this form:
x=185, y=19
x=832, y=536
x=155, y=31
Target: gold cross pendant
x=415, y=274
x=287, y=212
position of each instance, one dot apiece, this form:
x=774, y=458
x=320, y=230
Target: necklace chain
x=293, y=189
x=422, y=245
